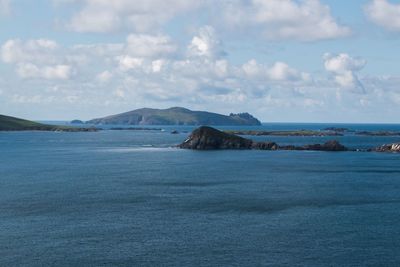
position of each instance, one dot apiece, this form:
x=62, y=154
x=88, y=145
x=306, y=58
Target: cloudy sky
x=281, y=60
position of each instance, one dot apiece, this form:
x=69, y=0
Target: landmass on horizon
x=176, y=116
x=8, y=123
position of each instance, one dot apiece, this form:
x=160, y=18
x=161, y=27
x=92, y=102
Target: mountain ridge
x=176, y=116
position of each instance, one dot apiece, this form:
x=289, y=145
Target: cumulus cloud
x=344, y=69
x=160, y=71
x=307, y=20
x=206, y=43
x=138, y=15
x=279, y=71
x=40, y=50
x=127, y=62
x=29, y=70
x=384, y=14
x=145, y=45
x=38, y=58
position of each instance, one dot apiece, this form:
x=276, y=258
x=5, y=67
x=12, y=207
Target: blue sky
x=281, y=60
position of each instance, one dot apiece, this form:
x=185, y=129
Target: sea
x=131, y=198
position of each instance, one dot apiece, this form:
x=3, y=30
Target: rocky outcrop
x=378, y=133
x=265, y=145
x=332, y=145
x=388, y=148
x=208, y=138
x=285, y=133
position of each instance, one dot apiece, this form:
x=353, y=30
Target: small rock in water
x=388, y=148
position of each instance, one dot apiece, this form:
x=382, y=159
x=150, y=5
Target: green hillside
x=176, y=116
x=8, y=123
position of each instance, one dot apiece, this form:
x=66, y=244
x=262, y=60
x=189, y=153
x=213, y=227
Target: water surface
x=129, y=198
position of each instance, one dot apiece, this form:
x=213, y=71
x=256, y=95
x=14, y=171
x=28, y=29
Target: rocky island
x=8, y=123
x=388, y=148
x=208, y=138
x=176, y=116
x=285, y=133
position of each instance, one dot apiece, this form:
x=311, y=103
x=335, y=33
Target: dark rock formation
x=174, y=132
x=379, y=133
x=245, y=117
x=388, y=148
x=332, y=145
x=208, y=138
x=265, y=145
x=77, y=122
x=285, y=133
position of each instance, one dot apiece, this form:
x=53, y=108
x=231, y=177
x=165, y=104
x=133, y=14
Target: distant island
x=8, y=123
x=177, y=116
x=208, y=138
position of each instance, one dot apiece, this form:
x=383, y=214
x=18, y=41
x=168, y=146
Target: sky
x=280, y=60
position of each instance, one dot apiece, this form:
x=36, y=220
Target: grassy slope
x=8, y=123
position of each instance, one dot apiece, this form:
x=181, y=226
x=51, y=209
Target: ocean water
x=129, y=198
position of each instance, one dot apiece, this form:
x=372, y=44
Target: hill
x=176, y=116
x=8, y=123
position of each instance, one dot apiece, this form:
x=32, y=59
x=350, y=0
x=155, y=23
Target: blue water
x=128, y=198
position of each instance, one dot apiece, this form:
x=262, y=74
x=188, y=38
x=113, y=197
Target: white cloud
x=206, y=43
x=138, y=15
x=345, y=68
x=104, y=77
x=29, y=70
x=128, y=63
x=384, y=13
x=144, y=45
x=157, y=65
x=38, y=58
x=307, y=20
x=161, y=72
x=279, y=71
x=40, y=50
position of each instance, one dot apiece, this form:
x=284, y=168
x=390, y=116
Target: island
x=395, y=147
x=176, y=116
x=76, y=122
x=208, y=138
x=8, y=123
x=284, y=133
